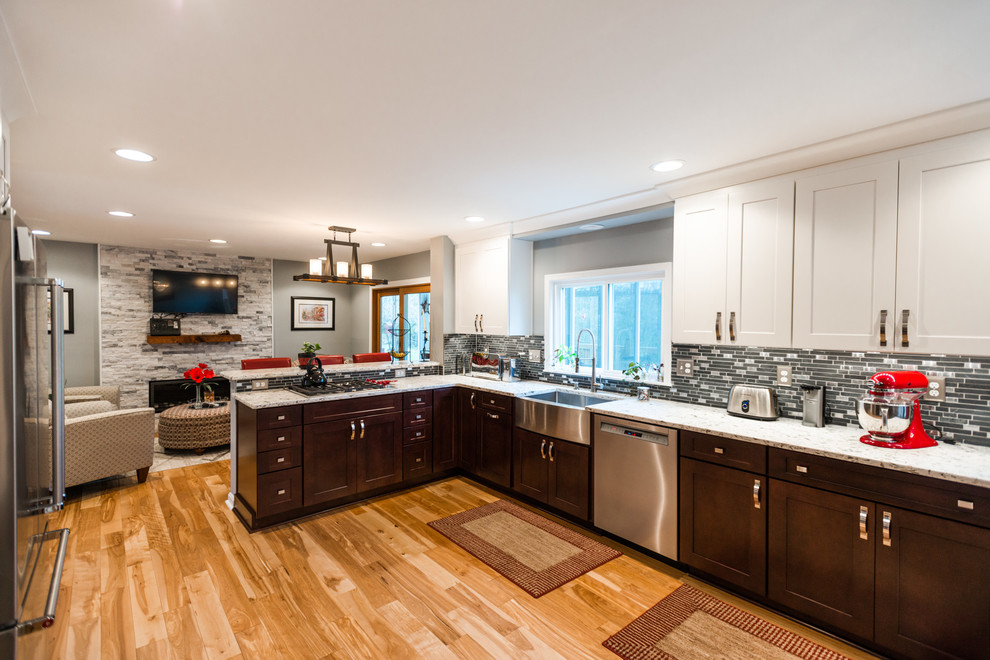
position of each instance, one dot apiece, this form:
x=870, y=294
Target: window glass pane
x=582, y=308
x=650, y=331
x=417, y=307
x=389, y=306
x=624, y=325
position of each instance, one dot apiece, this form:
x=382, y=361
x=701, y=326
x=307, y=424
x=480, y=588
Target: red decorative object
x=199, y=373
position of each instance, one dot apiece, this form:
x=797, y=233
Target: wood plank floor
x=164, y=570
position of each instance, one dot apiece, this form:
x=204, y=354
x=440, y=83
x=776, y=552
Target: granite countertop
x=254, y=374
x=969, y=464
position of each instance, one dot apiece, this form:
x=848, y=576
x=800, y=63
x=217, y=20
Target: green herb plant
x=564, y=355
x=308, y=347
x=634, y=370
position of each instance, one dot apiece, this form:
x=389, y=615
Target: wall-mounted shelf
x=192, y=339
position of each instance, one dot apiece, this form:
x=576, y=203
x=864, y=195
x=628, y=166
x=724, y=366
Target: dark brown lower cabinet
x=932, y=580
x=379, y=451
x=553, y=471
x=723, y=523
x=467, y=428
x=495, y=447
x=821, y=556
x=329, y=457
x=444, y=429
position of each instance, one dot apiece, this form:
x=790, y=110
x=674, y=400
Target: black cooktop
x=336, y=388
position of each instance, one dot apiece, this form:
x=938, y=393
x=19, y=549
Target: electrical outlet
x=400, y=373
x=685, y=367
x=535, y=355
x=936, y=389
x=259, y=384
x=785, y=375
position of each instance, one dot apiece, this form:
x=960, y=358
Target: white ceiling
x=272, y=120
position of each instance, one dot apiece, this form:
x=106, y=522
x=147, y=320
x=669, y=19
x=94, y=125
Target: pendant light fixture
x=339, y=272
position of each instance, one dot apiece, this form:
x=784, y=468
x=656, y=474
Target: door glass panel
x=416, y=307
x=389, y=306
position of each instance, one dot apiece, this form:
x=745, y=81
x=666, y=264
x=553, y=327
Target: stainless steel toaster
x=754, y=401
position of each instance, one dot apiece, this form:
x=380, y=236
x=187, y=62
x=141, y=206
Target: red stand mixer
x=891, y=412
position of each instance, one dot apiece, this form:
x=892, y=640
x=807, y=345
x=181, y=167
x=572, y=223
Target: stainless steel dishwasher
x=636, y=482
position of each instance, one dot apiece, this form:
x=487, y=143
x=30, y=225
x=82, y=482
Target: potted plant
x=308, y=351
x=564, y=355
x=634, y=370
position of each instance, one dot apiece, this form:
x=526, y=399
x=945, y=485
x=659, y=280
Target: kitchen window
x=402, y=313
x=627, y=309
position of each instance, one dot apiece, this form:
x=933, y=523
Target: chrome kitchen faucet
x=577, y=360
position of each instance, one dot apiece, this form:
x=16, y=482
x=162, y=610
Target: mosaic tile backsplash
x=963, y=417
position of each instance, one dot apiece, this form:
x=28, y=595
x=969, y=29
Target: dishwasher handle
x=656, y=436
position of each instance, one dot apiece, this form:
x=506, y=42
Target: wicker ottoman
x=185, y=427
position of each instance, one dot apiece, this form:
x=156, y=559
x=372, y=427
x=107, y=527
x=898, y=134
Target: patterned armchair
x=109, y=393
x=103, y=442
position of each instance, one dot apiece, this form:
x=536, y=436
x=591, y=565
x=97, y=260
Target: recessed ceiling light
x=667, y=165
x=377, y=245
x=41, y=232
x=323, y=258
x=134, y=154
x=592, y=227
x=121, y=214
x=217, y=240
x=474, y=218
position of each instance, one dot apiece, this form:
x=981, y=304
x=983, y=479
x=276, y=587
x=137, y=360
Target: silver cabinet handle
x=58, y=395
x=491, y=415
x=863, y=513
x=883, y=327
x=281, y=491
x=475, y=322
x=353, y=430
x=550, y=451
x=362, y=430
x=719, y=450
x=718, y=326
x=481, y=322
x=964, y=504
x=904, y=328
x=280, y=438
x=281, y=417
x=886, y=528
x=802, y=469
x=756, y=493
x=732, y=326
x=280, y=459
x=472, y=400
x=543, y=445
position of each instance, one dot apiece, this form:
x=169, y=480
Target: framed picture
x=68, y=312
x=312, y=313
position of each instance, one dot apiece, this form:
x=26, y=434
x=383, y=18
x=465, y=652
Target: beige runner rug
x=691, y=625
x=536, y=554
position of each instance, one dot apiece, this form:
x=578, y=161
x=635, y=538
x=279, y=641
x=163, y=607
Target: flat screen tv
x=182, y=292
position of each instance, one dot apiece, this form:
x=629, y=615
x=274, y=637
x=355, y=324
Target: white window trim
x=552, y=281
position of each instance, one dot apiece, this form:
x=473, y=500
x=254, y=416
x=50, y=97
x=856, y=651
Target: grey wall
x=406, y=267
x=632, y=245
x=288, y=342
x=77, y=264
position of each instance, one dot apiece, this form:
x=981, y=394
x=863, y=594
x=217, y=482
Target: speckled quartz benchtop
x=330, y=369
x=967, y=464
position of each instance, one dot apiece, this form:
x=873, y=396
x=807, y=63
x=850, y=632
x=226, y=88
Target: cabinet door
x=700, y=226
x=570, y=476
x=379, y=451
x=495, y=447
x=723, y=523
x=444, y=426
x=481, y=277
x=819, y=562
x=845, y=244
x=943, y=234
x=529, y=464
x=328, y=461
x=933, y=581
x=467, y=429
x=759, y=267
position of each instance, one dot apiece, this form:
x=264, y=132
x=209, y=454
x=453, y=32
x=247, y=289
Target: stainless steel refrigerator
x=32, y=441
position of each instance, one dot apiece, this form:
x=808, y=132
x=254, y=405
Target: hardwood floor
x=164, y=570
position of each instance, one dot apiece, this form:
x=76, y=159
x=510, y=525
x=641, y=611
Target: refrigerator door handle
x=58, y=396
x=48, y=617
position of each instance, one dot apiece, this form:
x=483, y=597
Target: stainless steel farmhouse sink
x=557, y=414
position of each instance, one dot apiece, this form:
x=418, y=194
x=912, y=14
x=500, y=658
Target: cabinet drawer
x=345, y=408
x=412, y=400
x=279, y=492
x=417, y=434
x=417, y=460
x=925, y=494
x=497, y=402
x=417, y=417
x=279, y=459
x=279, y=438
x=277, y=418
x=724, y=451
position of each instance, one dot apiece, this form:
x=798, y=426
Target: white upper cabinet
x=845, y=243
x=943, y=252
x=732, y=256
x=493, y=287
